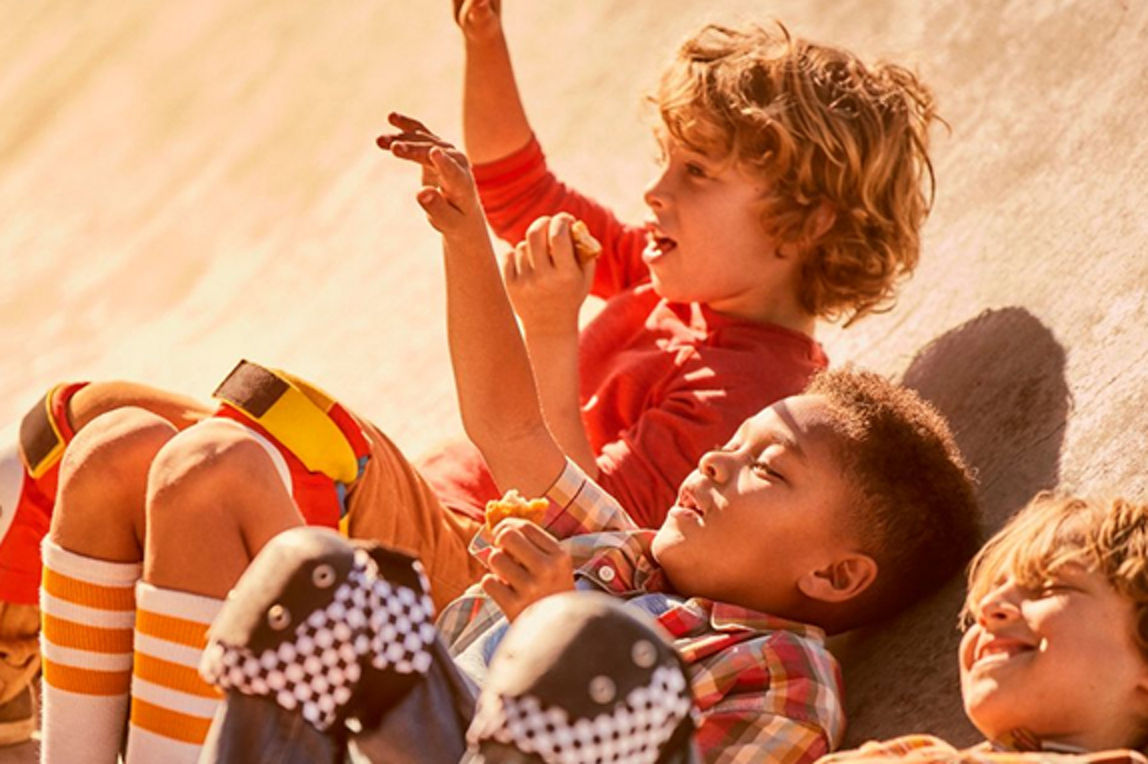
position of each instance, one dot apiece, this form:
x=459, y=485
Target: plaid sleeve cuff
x=566, y=484
x=578, y=505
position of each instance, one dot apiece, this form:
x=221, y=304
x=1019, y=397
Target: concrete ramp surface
x=186, y=183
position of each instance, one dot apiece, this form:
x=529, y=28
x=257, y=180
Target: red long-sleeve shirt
x=661, y=382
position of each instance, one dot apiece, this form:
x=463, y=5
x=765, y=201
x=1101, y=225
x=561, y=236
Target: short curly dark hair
x=915, y=512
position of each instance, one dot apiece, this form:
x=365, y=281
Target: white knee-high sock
x=171, y=705
x=87, y=613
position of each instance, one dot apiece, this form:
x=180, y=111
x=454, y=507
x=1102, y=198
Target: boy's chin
x=666, y=545
x=995, y=717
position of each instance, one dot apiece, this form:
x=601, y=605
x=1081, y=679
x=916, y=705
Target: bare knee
x=214, y=493
x=103, y=480
x=210, y=466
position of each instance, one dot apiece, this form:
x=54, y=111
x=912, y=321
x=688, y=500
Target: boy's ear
x=820, y=220
x=841, y=580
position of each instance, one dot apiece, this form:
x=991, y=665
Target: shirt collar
x=1023, y=740
x=727, y=617
x=644, y=574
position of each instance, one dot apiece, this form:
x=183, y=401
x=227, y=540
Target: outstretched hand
x=480, y=20
x=448, y=194
x=526, y=565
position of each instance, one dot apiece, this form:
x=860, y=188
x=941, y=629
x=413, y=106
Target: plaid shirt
x=767, y=689
x=923, y=749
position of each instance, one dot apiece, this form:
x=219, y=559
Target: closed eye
x=1052, y=589
x=764, y=468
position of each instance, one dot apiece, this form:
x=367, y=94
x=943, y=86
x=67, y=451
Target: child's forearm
x=555, y=363
x=498, y=400
x=493, y=118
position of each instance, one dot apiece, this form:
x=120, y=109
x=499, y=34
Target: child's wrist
x=551, y=332
x=488, y=43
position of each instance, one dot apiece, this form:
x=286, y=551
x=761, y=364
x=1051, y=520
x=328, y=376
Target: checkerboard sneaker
x=372, y=627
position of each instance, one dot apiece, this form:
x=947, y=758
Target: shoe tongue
x=11, y=476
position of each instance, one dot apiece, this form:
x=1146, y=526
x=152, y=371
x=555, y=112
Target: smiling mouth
x=999, y=650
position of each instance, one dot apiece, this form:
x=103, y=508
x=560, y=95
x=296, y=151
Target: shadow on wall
x=999, y=380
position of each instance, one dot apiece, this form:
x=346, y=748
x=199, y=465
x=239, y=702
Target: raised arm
x=497, y=396
x=493, y=118
x=547, y=284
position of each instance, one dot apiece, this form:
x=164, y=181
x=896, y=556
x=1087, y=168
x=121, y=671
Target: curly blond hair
x=823, y=129
x=1054, y=530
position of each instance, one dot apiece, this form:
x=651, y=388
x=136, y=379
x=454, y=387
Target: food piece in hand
x=586, y=247
x=513, y=504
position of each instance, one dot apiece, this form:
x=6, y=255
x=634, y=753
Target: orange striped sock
x=171, y=705
x=87, y=611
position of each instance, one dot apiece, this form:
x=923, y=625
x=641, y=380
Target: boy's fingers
x=561, y=245
x=541, y=539
x=498, y=591
x=525, y=551
x=509, y=266
x=413, y=152
x=410, y=124
x=474, y=11
x=451, y=165
x=409, y=145
x=509, y=570
x=454, y=176
x=521, y=256
x=538, y=243
x=437, y=207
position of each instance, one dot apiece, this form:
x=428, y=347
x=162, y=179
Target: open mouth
x=998, y=650
x=687, y=501
x=657, y=244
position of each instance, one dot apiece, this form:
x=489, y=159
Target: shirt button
x=606, y=573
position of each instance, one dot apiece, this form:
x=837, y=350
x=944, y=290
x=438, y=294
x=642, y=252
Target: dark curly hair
x=915, y=509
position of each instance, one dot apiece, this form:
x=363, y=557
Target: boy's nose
x=655, y=193
x=714, y=466
x=998, y=605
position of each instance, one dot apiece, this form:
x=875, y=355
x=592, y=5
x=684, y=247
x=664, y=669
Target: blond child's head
x=1057, y=611
x=836, y=507
x=840, y=147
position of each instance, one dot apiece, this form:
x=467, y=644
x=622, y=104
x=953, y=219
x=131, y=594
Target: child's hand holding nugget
x=526, y=565
x=549, y=273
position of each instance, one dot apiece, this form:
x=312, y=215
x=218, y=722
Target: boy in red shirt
x=761, y=222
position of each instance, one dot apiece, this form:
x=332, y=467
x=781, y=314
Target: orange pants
x=392, y=504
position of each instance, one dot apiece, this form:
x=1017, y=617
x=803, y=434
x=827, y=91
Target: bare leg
x=101, y=397
x=215, y=497
x=103, y=484
x=91, y=565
